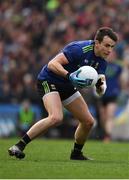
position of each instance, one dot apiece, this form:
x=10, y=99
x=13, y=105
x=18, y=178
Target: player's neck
x=96, y=52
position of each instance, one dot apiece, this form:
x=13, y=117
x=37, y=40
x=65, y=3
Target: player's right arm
x=56, y=65
x=70, y=54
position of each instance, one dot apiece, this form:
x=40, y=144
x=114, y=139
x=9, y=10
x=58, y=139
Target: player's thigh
x=51, y=98
x=52, y=103
x=80, y=110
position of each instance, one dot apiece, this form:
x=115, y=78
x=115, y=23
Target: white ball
x=89, y=74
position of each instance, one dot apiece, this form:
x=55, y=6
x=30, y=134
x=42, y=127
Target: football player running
x=60, y=73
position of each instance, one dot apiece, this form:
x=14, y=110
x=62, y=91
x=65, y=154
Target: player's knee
x=89, y=123
x=56, y=119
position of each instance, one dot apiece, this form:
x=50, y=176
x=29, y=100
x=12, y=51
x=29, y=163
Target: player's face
x=105, y=47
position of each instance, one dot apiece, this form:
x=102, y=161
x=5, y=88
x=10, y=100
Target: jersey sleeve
x=73, y=53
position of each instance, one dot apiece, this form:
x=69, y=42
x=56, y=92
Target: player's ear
x=97, y=42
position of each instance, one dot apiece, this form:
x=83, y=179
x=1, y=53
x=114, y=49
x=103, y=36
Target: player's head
x=105, y=40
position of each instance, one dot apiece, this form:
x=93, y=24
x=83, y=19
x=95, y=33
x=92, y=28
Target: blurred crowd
x=33, y=31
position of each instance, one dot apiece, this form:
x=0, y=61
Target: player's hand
x=100, y=87
x=76, y=81
x=99, y=83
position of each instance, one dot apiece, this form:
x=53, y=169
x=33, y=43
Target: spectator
x=108, y=102
x=26, y=117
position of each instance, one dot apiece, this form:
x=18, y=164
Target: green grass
x=49, y=159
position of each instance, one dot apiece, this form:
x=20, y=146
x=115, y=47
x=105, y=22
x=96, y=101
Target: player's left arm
x=101, y=85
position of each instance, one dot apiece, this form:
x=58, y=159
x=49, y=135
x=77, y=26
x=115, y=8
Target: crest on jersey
x=86, y=61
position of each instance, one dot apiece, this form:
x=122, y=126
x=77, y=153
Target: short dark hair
x=106, y=31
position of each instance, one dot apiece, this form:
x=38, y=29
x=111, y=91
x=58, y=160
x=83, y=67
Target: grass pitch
x=49, y=159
